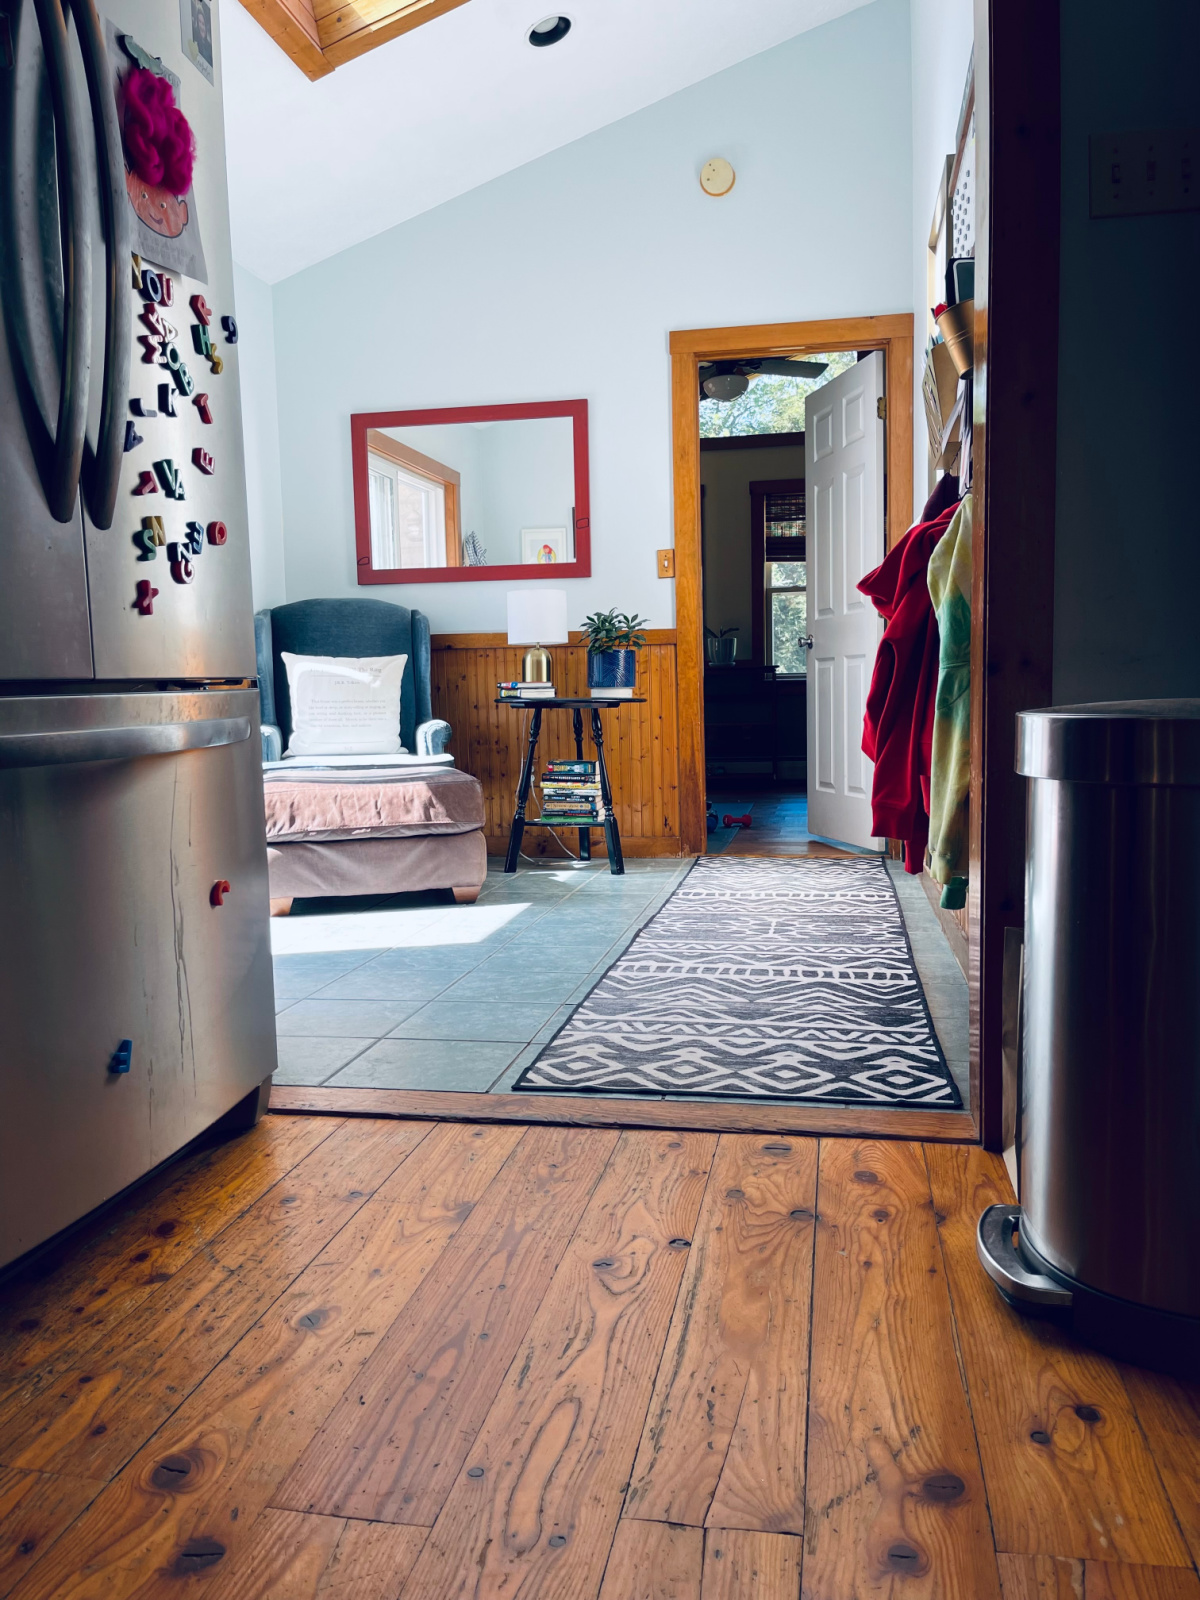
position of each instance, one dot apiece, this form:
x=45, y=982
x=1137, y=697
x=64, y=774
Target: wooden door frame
x=689, y=347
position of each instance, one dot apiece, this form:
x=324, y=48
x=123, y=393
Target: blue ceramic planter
x=612, y=669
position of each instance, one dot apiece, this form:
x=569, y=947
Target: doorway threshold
x=590, y=1111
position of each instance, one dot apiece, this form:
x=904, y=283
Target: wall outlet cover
x=1138, y=174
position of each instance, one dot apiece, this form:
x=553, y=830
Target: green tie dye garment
x=950, y=778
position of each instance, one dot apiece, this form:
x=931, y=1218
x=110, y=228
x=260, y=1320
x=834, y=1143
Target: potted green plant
x=613, y=640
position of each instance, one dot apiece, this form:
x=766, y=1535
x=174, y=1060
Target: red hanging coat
x=898, y=725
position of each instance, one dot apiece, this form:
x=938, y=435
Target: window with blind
x=785, y=516
x=784, y=581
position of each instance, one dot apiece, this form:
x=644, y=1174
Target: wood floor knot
x=176, y=1473
x=197, y=1555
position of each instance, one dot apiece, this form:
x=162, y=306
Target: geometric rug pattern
x=773, y=978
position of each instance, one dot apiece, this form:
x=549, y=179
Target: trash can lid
x=1112, y=741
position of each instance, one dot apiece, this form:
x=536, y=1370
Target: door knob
x=806, y=639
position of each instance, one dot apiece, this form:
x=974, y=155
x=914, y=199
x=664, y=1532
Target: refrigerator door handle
x=119, y=744
x=66, y=456
x=102, y=467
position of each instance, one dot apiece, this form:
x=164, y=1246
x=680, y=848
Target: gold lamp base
x=536, y=665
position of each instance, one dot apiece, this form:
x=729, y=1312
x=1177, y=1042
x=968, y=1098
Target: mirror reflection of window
x=384, y=549
x=411, y=527
x=413, y=503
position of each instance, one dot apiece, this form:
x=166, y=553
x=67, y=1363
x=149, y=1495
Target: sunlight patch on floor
x=423, y=927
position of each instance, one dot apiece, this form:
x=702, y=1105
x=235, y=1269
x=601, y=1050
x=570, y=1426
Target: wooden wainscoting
x=641, y=741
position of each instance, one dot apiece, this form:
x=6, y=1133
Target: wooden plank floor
x=377, y=1359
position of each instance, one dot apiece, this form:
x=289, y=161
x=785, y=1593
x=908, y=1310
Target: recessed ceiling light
x=549, y=31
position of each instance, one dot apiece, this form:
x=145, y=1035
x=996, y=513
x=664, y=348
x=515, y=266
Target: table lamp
x=537, y=617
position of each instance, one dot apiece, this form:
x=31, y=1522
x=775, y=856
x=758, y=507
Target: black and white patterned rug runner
x=774, y=978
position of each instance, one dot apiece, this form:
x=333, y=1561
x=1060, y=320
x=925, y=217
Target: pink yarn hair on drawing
x=158, y=139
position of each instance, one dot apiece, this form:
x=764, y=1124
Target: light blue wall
x=561, y=280
x=1127, y=541
x=260, y=427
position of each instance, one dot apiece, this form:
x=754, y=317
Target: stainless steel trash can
x=1107, y=1234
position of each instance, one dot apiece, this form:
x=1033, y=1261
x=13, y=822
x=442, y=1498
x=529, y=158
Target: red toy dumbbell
x=737, y=822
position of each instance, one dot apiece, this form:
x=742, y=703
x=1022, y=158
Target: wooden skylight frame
x=320, y=35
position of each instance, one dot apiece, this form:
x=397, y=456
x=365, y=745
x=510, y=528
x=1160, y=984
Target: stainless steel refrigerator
x=136, y=1003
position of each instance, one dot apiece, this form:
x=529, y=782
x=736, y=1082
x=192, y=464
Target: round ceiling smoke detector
x=549, y=31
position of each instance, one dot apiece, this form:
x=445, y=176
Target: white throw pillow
x=344, y=705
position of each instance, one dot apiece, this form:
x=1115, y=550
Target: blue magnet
x=151, y=285
x=230, y=326
x=171, y=479
x=141, y=409
x=194, y=543
x=132, y=437
x=121, y=1056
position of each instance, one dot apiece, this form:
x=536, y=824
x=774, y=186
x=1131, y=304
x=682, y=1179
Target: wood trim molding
x=294, y=29
x=752, y=441
x=593, y=1111
x=789, y=338
x=348, y=31
x=382, y=444
x=891, y=334
x=319, y=35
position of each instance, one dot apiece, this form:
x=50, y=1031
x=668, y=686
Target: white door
x=843, y=441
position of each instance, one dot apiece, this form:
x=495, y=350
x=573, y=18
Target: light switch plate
x=666, y=563
x=1136, y=174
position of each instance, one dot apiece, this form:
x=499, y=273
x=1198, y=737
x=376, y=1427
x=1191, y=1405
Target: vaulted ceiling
x=456, y=100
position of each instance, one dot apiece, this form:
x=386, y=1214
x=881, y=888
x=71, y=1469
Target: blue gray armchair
x=346, y=628
x=431, y=832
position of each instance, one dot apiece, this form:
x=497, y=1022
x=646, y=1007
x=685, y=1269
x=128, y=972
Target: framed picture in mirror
x=468, y=494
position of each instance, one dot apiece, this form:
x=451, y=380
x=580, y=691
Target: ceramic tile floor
x=414, y=992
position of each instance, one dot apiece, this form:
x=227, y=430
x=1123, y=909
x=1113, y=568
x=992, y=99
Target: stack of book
x=516, y=690
x=571, y=794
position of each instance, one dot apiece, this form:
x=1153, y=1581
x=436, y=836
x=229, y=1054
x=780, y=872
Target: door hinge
x=881, y=408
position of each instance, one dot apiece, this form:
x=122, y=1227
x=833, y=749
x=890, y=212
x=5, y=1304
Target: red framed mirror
x=470, y=494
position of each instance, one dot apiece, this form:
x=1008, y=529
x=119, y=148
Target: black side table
x=595, y=704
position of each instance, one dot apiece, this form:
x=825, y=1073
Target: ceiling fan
x=726, y=380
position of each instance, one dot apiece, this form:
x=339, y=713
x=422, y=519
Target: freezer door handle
x=119, y=744
x=65, y=460
x=102, y=467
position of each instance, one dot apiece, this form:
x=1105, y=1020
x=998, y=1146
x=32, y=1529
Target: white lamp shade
x=537, y=616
